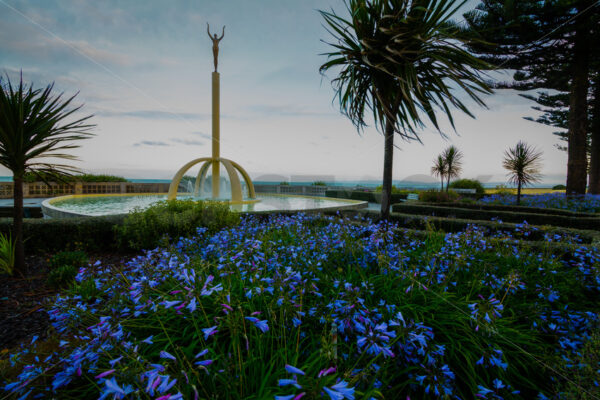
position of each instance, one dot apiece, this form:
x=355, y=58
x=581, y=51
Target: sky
x=143, y=69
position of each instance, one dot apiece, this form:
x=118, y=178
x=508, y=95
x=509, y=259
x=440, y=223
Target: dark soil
x=23, y=300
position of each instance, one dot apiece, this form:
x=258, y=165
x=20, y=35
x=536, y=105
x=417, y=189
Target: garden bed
x=515, y=208
x=575, y=222
x=325, y=307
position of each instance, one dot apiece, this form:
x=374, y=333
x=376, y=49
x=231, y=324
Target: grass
x=284, y=305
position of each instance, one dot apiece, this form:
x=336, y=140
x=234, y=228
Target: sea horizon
x=403, y=184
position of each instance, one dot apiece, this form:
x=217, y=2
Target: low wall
x=40, y=189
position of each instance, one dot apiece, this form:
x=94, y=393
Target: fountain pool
x=115, y=204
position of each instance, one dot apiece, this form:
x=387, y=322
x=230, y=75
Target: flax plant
x=35, y=126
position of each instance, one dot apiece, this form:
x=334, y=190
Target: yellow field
x=527, y=191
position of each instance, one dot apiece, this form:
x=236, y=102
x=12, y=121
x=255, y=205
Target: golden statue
x=215, y=41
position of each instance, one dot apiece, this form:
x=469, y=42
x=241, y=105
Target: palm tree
x=33, y=127
x=523, y=163
x=439, y=169
x=453, y=160
x=400, y=59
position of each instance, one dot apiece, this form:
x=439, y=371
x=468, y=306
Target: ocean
x=349, y=183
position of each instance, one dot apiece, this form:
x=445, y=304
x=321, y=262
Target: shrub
x=62, y=276
x=559, y=187
x=144, y=229
x=435, y=196
x=31, y=177
x=395, y=190
x=468, y=184
x=502, y=190
x=86, y=289
x=319, y=183
x=74, y=258
x=53, y=235
x=7, y=254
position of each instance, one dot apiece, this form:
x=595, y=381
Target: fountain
x=216, y=160
x=95, y=205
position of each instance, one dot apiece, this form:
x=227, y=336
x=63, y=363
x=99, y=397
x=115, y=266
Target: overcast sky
x=143, y=67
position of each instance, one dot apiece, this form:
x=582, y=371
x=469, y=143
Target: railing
x=305, y=190
x=41, y=189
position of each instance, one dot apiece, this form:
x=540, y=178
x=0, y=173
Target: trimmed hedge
x=452, y=225
x=514, y=208
x=372, y=197
x=52, y=235
x=506, y=216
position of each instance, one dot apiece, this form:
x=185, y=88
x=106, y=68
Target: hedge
x=51, y=235
x=371, y=197
x=514, y=208
x=453, y=225
x=506, y=216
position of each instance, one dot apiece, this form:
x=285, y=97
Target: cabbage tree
x=403, y=61
x=523, y=163
x=439, y=169
x=453, y=160
x=36, y=127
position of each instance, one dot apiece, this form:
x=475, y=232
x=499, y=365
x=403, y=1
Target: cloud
x=202, y=134
x=288, y=111
x=150, y=143
x=151, y=114
x=189, y=142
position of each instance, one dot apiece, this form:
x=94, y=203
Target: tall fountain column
x=231, y=168
x=216, y=176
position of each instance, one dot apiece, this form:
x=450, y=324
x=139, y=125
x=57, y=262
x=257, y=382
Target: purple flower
x=209, y=331
x=148, y=340
x=293, y=370
x=103, y=374
x=164, y=354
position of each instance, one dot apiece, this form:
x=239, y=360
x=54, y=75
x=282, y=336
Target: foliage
x=173, y=218
x=400, y=59
x=62, y=277
x=7, y=254
x=436, y=196
x=54, y=235
x=75, y=258
x=35, y=128
x=31, y=177
x=319, y=183
x=587, y=203
x=559, y=187
x=395, y=190
x=516, y=216
x=549, y=45
x=585, y=374
x=503, y=190
x=468, y=184
x=284, y=183
x=363, y=321
x=523, y=163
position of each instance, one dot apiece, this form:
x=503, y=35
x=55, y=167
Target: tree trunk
x=388, y=163
x=519, y=194
x=18, y=224
x=447, y=183
x=578, y=121
x=594, y=187
x=442, y=187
